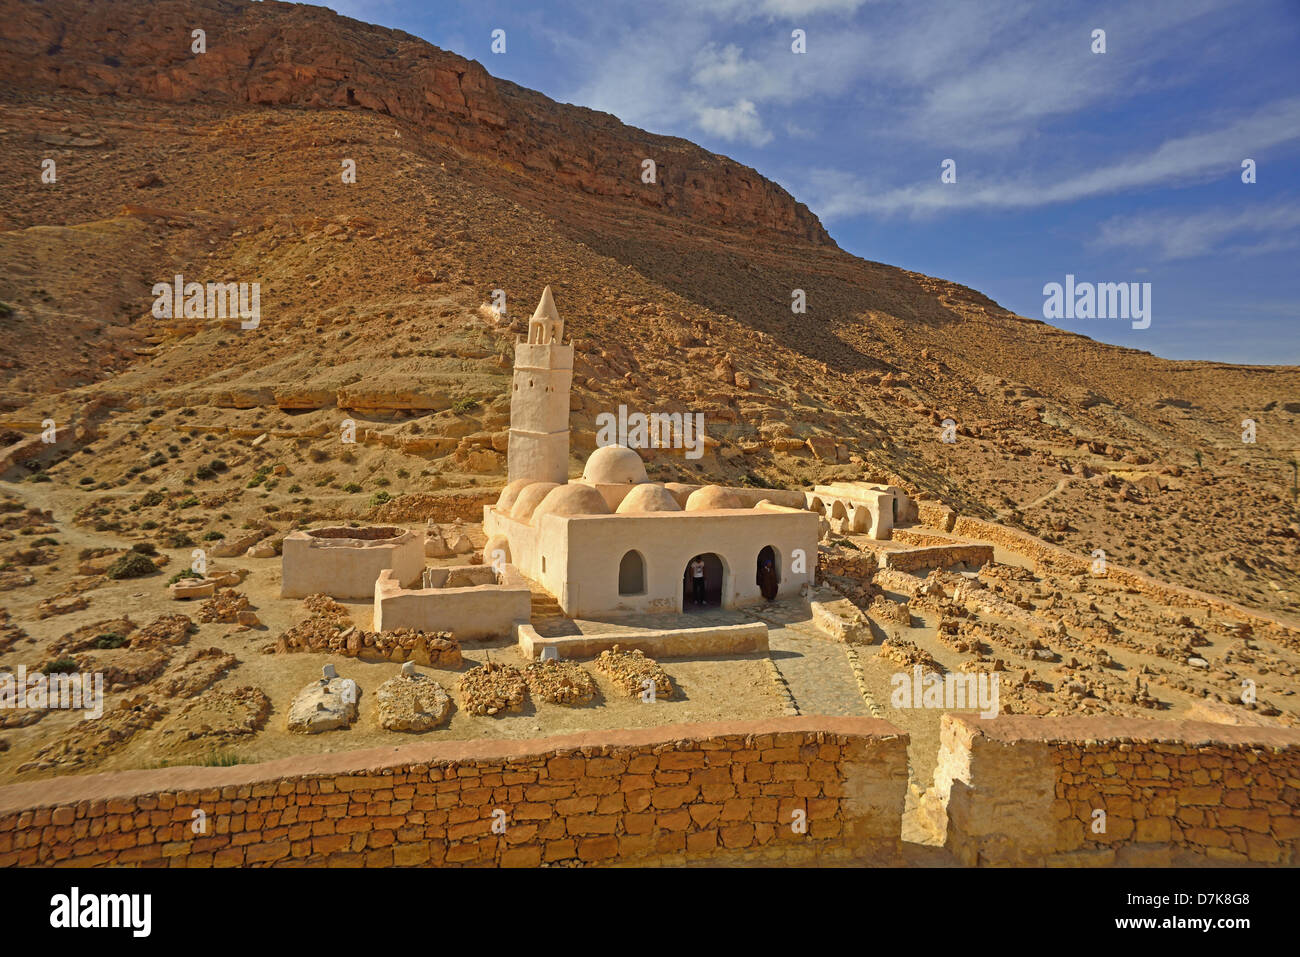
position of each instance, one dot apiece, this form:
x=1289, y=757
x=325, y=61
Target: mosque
x=612, y=542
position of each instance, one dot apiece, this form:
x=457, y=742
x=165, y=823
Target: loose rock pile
x=224, y=606
x=164, y=630
x=493, y=688
x=412, y=702
x=907, y=654
x=630, y=670
x=330, y=630
x=199, y=670
x=560, y=682
x=219, y=713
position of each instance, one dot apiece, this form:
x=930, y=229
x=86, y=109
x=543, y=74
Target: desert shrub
x=203, y=473
x=179, y=540
x=152, y=497
x=379, y=498
x=183, y=573
x=213, y=536
x=60, y=666
x=144, y=548
x=110, y=640
x=352, y=487
x=130, y=565
x=464, y=405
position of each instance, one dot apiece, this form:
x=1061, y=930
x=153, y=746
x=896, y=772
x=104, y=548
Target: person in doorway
x=697, y=579
x=767, y=582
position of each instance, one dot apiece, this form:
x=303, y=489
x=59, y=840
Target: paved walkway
x=815, y=667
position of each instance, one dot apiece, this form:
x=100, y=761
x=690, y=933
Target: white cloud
x=1179, y=161
x=737, y=122
x=1252, y=230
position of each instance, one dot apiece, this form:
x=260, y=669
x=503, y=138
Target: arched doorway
x=631, y=574
x=714, y=581
x=767, y=572
x=839, y=511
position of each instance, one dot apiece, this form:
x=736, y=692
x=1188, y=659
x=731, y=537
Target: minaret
x=539, y=400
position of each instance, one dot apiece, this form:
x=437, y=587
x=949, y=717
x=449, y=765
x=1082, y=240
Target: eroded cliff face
x=281, y=54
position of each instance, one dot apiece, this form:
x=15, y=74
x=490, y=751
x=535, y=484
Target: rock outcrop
x=280, y=54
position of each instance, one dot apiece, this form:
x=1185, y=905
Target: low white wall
x=469, y=613
x=347, y=567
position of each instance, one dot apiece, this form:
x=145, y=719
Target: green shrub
x=352, y=487
x=379, y=498
x=189, y=501
x=213, y=536
x=149, y=526
x=179, y=540
x=44, y=540
x=464, y=405
x=152, y=497
x=144, y=548
x=130, y=565
x=183, y=573
x=203, y=473
x=110, y=640
x=61, y=666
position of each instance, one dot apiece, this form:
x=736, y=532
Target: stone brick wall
x=937, y=556
x=723, y=793
x=1025, y=791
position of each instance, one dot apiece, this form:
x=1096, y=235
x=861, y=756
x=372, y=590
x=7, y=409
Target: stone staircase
x=547, y=617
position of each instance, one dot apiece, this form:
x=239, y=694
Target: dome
x=680, y=492
x=571, y=499
x=648, y=498
x=614, y=465
x=510, y=493
x=529, y=499
x=711, y=497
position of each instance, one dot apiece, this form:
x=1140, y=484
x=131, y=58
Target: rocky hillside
x=281, y=54
x=225, y=166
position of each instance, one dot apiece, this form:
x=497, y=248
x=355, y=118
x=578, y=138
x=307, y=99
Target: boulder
x=324, y=705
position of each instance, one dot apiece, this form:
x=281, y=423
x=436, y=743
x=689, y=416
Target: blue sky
x=1122, y=166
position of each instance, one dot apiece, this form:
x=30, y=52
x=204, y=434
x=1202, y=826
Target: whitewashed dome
x=529, y=499
x=510, y=494
x=572, y=499
x=648, y=498
x=711, y=497
x=614, y=465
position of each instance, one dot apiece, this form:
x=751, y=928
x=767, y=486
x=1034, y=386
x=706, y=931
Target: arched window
x=631, y=574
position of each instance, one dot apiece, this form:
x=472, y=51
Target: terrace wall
x=725, y=793
x=1017, y=790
